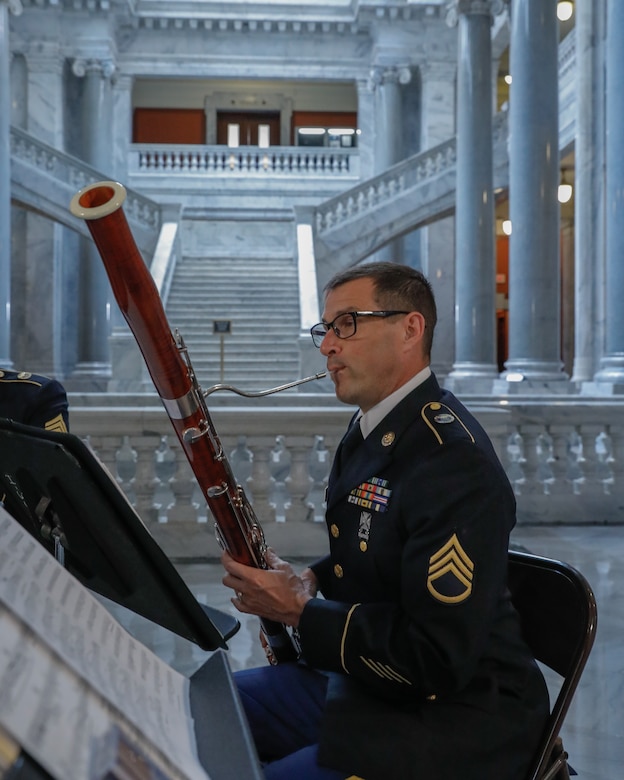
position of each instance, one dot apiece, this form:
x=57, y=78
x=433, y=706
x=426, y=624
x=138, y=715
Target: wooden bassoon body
x=236, y=526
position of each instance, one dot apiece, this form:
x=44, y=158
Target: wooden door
x=248, y=126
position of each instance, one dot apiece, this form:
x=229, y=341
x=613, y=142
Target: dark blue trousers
x=284, y=706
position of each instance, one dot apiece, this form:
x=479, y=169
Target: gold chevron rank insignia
x=56, y=424
x=450, y=574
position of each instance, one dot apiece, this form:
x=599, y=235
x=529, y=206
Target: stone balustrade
x=282, y=161
x=565, y=462
x=388, y=185
x=45, y=179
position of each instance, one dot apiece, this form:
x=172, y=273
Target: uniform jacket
x=430, y=677
x=33, y=400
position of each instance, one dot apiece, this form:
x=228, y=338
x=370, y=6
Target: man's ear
x=415, y=327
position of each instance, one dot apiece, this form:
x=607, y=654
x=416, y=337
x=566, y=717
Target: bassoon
x=166, y=356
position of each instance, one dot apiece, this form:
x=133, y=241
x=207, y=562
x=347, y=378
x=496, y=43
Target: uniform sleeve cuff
x=323, y=631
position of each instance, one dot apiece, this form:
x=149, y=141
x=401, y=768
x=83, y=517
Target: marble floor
x=593, y=732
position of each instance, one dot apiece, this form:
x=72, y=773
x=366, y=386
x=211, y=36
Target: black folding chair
x=558, y=613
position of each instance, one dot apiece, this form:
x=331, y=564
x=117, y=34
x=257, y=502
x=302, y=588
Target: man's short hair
x=397, y=286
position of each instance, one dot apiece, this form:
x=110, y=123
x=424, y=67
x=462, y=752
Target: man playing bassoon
x=413, y=664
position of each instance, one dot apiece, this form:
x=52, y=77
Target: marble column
x=121, y=131
x=5, y=181
x=588, y=164
x=95, y=294
x=475, y=365
x=385, y=82
x=534, y=262
x=612, y=362
x=437, y=241
x=366, y=125
x=39, y=252
x=121, y=126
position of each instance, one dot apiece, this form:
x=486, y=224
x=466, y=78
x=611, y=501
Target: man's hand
x=277, y=593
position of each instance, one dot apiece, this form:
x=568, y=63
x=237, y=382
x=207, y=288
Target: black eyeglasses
x=345, y=325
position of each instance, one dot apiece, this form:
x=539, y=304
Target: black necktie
x=351, y=441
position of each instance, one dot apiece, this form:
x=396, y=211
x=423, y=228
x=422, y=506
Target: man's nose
x=328, y=345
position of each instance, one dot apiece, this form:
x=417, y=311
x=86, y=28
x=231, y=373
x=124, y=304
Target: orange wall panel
x=169, y=126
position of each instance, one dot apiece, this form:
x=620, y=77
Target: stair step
x=261, y=298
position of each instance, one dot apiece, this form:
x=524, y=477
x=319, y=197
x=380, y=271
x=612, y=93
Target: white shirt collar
x=374, y=416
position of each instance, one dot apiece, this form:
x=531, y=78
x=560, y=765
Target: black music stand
x=56, y=488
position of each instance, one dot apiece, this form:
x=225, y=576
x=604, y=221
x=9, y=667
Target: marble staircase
x=260, y=298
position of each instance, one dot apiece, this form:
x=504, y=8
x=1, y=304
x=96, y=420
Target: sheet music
x=59, y=704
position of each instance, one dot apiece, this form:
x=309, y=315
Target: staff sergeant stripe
x=452, y=544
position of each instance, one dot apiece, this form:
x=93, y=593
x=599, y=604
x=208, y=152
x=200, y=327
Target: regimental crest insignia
x=450, y=574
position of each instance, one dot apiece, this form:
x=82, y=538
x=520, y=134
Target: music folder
x=58, y=490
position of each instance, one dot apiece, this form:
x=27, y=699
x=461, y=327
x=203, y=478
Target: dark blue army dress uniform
x=33, y=400
x=430, y=677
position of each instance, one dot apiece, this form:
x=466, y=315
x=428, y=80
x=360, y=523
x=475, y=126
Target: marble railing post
x=96, y=298
x=5, y=182
x=534, y=263
x=612, y=363
x=475, y=366
x=385, y=82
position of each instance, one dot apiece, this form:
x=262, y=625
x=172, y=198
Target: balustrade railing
x=401, y=177
x=221, y=160
x=45, y=179
x=73, y=172
x=565, y=465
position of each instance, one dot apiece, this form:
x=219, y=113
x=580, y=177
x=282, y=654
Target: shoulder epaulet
x=20, y=376
x=444, y=422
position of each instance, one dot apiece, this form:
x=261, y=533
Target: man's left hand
x=277, y=593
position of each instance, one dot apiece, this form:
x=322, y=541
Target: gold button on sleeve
x=335, y=532
x=338, y=571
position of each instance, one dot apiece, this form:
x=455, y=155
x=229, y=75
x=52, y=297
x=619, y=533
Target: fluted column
x=15, y=7
x=475, y=366
x=612, y=363
x=385, y=82
x=95, y=294
x=534, y=263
